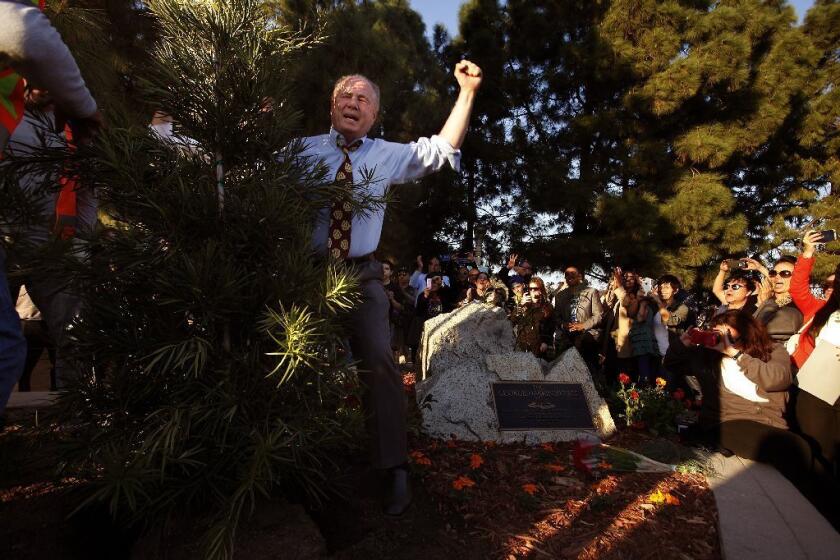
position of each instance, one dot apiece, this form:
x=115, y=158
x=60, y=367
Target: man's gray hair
x=342, y=81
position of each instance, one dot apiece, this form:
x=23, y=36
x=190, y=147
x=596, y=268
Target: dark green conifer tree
x=208, y=344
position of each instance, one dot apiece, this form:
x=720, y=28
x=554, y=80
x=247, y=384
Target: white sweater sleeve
x=32, y=46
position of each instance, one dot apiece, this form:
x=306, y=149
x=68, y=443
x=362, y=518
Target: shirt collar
x=334, y=134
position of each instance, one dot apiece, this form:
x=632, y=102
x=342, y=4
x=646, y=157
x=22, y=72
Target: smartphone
x=428, y=283
x=736, y=263
x=827, y=236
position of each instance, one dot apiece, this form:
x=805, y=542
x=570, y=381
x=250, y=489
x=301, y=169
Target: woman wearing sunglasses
x=736, y=292
x=778, y=312
x=535, y=321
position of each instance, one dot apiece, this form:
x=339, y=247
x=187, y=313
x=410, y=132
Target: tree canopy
x=661, y=135
x=664, y=135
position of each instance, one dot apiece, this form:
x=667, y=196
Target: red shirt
x=800, y=291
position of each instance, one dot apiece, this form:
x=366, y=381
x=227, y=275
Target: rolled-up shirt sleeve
x=409, y=162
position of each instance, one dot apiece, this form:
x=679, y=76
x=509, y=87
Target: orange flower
x=623, y=378
x=660, y=382
x=663, y=498
x=462, y=482
x=634, y=395
x=530, y=489
x=556, y=467
x=476, y=461
x=419, y=458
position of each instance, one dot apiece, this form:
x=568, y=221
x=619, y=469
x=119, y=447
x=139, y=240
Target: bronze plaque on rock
x=541, y=405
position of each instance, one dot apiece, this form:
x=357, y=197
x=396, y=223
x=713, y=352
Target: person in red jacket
x=818, y=420
x=808, y=304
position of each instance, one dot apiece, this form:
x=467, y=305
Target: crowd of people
x=738, y=356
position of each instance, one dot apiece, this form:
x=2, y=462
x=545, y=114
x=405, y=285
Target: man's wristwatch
x=738, y=355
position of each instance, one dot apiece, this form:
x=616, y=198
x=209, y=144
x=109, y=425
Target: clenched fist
x=468, y=75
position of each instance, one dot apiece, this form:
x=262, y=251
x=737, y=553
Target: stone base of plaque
x=467, y=351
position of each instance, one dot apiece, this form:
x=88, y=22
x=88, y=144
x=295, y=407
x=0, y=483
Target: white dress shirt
x=388, y=163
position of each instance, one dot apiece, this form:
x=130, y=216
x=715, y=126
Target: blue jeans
x=12, y=343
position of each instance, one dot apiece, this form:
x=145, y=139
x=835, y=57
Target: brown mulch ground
x=472, y=501
x=479, y=500
x=527, y=502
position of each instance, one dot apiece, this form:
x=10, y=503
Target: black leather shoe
x=398, y=496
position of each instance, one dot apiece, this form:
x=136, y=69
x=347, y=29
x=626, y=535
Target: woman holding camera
x=745, y=379
x=535, y=321
x=737, y=291
x=818, y=420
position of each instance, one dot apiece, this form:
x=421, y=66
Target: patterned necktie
x=341, y=218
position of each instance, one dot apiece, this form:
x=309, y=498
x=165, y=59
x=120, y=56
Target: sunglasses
x=782, y=273
x=733, y=287
x=534, y=288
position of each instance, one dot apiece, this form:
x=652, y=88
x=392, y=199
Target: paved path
x=34, y=399
x=762, y=515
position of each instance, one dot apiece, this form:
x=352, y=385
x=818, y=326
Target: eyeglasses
x=534, y=288
x=782, y=273
x=733, y=287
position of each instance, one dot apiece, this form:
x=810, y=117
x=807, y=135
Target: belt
x=364, y=259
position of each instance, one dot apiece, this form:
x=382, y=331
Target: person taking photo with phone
x=535, y=321
x=814, y=351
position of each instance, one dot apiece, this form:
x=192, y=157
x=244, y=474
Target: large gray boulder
x=464, y=352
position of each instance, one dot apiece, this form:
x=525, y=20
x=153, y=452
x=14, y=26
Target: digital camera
x=704, y=338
